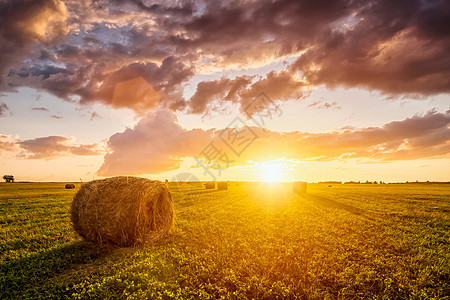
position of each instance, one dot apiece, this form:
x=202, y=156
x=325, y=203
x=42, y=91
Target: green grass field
x=253, y=241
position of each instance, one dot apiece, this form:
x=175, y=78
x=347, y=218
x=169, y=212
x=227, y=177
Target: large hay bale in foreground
x=210, y=185
x=222, y=186
x=70, y=186
x=299, y=187
x=122, y=210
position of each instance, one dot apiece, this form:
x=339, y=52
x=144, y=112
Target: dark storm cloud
x=40, y=70
x=28, y=23
x=185, y=9
x=390, y=48
x=139, y=86
x=239, y=31
x=281, y=86
x=395, y=47
x=224, y=89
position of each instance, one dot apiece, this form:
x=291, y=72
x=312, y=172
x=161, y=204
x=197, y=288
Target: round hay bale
x=222, y=186
x=70, y=186
x=122, y=210
x=210, y=185
x=299, y=187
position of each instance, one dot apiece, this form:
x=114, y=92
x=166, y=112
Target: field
x=252, y=241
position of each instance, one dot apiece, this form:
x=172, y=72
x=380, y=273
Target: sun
x=275, y=170
x=272, y=172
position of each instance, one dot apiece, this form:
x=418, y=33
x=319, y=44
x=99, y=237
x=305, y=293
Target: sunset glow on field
x=335, y=90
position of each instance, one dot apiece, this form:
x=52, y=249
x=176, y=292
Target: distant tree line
x=353, y=182
x=365, y=182
x=382, y=182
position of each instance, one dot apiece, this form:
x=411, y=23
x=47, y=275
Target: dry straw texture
x=123, y=210
x=299, y=187
x=222, y=186
x=210, y=185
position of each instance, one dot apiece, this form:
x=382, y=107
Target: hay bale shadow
x=335, y=204
x=202, y=192
x=30, y=272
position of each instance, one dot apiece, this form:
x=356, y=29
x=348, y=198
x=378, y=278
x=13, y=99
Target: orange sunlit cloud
x=159, y=143
x=47, y=147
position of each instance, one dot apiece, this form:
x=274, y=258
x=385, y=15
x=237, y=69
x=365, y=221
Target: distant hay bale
x=299, y=187
x=210, y=185
x=222, y=186
x=70, y=186
x=122, y=210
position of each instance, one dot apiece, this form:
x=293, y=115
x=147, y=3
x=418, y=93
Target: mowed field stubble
x=252, y=241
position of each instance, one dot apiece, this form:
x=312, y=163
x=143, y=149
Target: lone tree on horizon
x=8, y=178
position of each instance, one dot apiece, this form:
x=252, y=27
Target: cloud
x=55, y=146
x=132, y=54
x=139, y=86
x=159, y=143
x=416, y=137
x=389, y=47
x=315, y=103
x=332, y=105
x=26, y=24
x=7, y=144
x=4, y=110
x=320, y=104
x=156, y=144
x=56, y=117
x=40, y=108
x=281, y=86
x=247, y=33
x=218, y=91
x=94, y=116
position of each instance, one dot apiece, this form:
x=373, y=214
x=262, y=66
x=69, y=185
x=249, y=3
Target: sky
x=281, y=90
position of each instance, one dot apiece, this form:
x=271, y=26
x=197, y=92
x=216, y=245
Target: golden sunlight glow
x=275, y=170
x=272, y=172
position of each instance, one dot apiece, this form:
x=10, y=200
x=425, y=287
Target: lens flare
x=272, y=172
